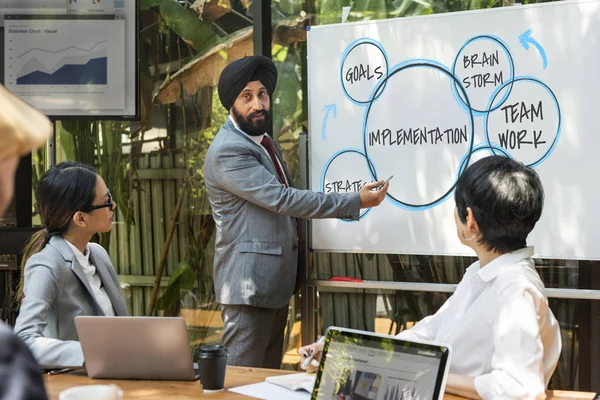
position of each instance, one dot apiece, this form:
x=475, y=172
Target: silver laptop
x=362, y=365
x=155, y=348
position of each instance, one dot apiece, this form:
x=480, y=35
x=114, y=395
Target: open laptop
x=155, y=348
x=362, y=365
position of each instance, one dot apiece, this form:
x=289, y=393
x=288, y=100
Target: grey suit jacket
x=256, y=251
x=56, y=291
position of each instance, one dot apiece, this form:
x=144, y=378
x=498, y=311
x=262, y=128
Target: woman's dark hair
x=507, y=199
x=63, y=190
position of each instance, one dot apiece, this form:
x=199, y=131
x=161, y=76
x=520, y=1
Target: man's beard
x=251, y=127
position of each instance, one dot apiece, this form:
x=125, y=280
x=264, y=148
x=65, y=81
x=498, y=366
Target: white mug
x=92, y=392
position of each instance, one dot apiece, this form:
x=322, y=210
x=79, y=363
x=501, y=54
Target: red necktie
x=268, y=145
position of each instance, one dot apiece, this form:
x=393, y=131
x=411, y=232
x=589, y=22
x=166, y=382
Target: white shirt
x=258, y=140
x=94, y=279
x=500, y=328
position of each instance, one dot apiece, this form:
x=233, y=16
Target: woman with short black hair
x=504, y=198
x=504, y=337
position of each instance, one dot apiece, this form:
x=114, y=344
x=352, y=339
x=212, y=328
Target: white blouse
x=500, y=328
x=93, y=279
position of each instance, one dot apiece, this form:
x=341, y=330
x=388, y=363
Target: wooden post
x=169, y=191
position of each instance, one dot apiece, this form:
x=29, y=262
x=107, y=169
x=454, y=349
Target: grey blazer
x=56, y=291
x=256, y=251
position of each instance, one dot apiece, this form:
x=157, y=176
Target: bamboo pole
x=167, y=245
x=174, y=217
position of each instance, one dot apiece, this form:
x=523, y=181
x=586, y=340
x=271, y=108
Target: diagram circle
x=551, y=148
x=353, y=97
x=418, y=63
x=330, y=162
x=491, y=106
x=492, y=148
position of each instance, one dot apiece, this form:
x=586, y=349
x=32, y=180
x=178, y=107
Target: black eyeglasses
x=108, y=204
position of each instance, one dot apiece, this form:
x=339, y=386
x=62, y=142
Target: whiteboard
x=421, y=98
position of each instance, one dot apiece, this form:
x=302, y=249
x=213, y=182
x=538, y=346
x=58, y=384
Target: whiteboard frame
x=423, y=18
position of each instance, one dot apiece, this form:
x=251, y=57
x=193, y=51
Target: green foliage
x=330, y=11
x=203, y=137
x=198, y=219
x=99, y=144
x=287, y=97
x=146, y=4
x=181, y=281
x=187, y=25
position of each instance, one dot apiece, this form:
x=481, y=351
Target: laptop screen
x=363, y=366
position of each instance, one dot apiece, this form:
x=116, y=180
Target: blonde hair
x=22, y=127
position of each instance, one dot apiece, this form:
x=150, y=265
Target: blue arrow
x=328, y=108
x=525, y=39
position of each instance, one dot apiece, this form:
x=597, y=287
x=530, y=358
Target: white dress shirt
x=94, y=279
x=500, y=328
x=258, y=140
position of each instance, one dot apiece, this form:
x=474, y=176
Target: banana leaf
x=182, y=279
x=205, y=68
x=187, y=25
x=146, y=4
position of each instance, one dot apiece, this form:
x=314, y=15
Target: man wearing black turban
x=236, y=75
x=255, y=207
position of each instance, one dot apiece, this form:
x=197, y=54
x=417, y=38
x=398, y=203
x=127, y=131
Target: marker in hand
x=384, y=182
x=311, y=354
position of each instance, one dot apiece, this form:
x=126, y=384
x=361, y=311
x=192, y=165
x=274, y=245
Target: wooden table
x=163, y=390
x=236, y=376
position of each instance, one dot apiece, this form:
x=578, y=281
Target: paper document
x=302, y=381
x=268, y=391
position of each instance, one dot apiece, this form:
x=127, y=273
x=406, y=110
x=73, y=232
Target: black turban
x=236, y=76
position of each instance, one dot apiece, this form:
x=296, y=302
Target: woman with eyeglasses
x=63, y=274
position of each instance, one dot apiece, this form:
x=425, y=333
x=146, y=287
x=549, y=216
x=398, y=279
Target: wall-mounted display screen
x=73, y=58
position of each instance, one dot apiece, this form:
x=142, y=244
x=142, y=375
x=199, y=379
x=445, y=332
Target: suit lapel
x=115, y=297
x=112, y=290
x=266, y=159
x=59, y=244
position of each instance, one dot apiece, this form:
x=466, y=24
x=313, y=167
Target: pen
x=60, y=371
x=384, y=182
x=306, y=362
